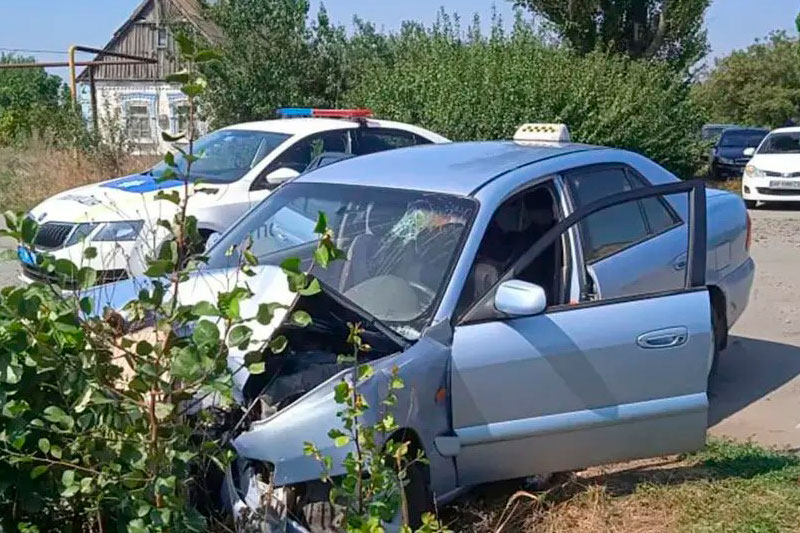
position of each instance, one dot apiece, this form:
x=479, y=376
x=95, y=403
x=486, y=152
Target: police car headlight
x=127, y=230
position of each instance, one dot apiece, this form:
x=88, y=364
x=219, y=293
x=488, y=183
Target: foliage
x=95, y=429
x=371, y=493
x=668, y=30
x=29, y=99
x=475, y=87
x=758, y=86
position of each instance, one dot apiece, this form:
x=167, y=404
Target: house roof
x=190, y=10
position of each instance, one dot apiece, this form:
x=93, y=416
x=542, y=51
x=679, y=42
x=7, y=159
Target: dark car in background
x=713, y=131
x=727, y=157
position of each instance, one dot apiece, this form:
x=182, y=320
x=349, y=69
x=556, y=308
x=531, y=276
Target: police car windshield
x=400, y=244
x=226, y=155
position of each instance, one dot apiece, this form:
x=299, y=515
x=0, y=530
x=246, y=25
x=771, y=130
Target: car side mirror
x=750, y=152
x=520, y=298
x=282, y=174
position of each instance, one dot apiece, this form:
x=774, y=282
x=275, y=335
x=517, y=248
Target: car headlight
x=726, y=160
x=753, y=172
x=126, y=230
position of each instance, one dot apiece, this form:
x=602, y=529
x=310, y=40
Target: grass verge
x=35, y=171
x=727, y=487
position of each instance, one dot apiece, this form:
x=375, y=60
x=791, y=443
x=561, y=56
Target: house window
x=161, y=37
x=182, y=117
x=138, y=122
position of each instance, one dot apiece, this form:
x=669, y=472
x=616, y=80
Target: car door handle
x=680, y=262
x=663, y=338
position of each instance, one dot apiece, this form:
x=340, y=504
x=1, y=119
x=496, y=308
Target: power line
x=31, y=51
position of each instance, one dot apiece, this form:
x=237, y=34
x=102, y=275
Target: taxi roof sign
x=542, y=132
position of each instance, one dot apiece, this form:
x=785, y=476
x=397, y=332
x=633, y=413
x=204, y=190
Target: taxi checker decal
x=141, y=183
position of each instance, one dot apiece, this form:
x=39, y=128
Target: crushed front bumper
x=256, y=505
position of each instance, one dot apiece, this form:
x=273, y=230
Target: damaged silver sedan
x=477, y=271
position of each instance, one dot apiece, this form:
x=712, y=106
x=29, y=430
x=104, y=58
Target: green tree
x=477, y=87
x=670, y=30
x=26, y=95
x=757, y=86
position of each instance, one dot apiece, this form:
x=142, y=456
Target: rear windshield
x=741, y=139
x=781, y=143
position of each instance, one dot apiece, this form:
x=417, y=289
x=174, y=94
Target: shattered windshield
x=400, y=244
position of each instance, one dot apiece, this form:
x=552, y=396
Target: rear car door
x=631, y=248
x=584, y=383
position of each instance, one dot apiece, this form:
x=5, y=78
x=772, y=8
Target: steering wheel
x=422, y=289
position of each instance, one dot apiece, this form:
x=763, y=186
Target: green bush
x=759, y=86
x=474, y=87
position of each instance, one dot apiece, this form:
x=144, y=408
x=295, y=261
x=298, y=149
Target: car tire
x=751, y=204
x=713, y=173
x=324, y=517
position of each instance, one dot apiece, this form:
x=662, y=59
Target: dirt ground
x=756, y=393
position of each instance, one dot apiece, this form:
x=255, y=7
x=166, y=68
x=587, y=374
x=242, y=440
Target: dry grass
x=727, y=487
x=36, y=171
x=732, y=185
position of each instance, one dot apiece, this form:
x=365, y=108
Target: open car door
x=590, y=383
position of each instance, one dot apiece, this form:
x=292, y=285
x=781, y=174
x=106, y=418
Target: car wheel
x=324, y=517
x=751, y=204
x=713, y=173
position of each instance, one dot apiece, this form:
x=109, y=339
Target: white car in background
x=773, y=172
x=240, y=166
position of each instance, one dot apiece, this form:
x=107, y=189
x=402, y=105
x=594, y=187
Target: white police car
x=240, y=166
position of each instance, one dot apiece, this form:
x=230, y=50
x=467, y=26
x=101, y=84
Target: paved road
x=756, y=393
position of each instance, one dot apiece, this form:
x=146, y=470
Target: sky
x=52, y=25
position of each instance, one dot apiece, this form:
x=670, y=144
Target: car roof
x=454, y=168
x=747, y=130
x=792, y=129
x=307, y=126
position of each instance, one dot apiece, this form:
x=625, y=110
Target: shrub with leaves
x=95, y=430
x=467, y=86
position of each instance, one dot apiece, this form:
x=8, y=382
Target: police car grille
x=53, y=235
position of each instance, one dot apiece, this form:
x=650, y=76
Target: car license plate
x=784, y=184
x=26, y=255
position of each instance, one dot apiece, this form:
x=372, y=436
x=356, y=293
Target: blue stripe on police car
x=141, y=183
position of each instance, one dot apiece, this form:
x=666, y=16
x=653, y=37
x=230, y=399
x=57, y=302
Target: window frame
x=556, y=185
x=695, y=274
x=143, y=122
x=260, y=183
x=398, y=132
x=637, y=181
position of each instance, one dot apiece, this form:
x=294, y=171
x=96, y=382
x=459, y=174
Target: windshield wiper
x=370, y=319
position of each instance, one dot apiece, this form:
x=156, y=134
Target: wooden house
x=135, y=100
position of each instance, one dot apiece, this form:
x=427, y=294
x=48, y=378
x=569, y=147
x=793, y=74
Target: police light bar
x=296, y=112
x=542, y=132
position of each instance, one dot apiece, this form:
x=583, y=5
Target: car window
x=781, y=143
x=515, y=226
x=612, y=229
x=298, y=156
x=618, y=227
x=372, y=140
x=741, y=139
